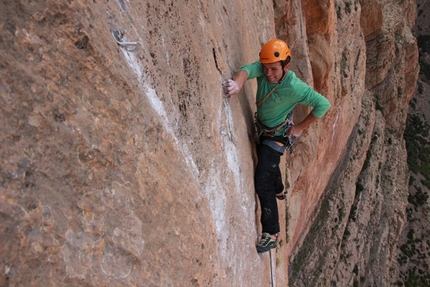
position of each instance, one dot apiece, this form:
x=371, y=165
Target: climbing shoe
x=281, y=197
x=266, y=243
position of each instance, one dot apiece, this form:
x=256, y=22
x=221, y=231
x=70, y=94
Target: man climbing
x=278, y=92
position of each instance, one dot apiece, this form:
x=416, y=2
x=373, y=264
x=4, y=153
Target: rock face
x=124, y=165
x=353, y=238
x=413, y=254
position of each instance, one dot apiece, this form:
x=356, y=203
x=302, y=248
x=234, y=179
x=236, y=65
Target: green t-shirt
x=290, y=92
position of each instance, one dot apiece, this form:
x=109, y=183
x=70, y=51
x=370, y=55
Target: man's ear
x=287, y=67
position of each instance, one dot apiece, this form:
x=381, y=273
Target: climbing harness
x=129, y=46
x=261, y=131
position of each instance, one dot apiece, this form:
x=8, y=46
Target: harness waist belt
x=273, y=145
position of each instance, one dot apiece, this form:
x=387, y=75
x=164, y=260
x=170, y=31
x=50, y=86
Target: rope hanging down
x=272, y=284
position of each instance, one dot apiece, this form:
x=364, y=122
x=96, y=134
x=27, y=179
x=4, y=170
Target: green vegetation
x=415, y=279
x=379, y=107
x=424, y=44
x=420, y=88
x=344, y=65
x=339, y=12
x=348, y=7
x=418, y=146
x=420, y=198
x=414, y=255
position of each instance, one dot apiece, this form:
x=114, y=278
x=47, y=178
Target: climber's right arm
x=233, y=86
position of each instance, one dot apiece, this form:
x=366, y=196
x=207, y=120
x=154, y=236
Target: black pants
x=268, y=182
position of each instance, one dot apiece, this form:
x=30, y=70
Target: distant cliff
x=353, y=235
x=124, y=165
x=414, y=245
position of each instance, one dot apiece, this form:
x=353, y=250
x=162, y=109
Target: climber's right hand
x=230, y=87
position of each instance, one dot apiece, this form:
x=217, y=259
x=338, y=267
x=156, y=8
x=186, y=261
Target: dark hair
x=285, y=62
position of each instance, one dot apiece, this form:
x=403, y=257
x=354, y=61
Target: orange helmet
x=274, y=51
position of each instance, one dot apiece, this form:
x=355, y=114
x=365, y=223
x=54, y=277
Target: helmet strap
x=283, y=75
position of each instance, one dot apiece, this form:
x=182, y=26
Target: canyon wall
x=353, y=238
x=124, y=165
x=413, y=254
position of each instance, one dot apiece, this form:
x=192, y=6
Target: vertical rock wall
x=124, y=166
x=337, y=70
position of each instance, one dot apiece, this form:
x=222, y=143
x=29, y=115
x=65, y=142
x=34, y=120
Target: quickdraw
x=129, y=46
x=289, y=145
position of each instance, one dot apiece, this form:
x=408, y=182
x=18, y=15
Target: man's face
x=273, y=71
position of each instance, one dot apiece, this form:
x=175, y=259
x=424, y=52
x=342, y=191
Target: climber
x=278, y=92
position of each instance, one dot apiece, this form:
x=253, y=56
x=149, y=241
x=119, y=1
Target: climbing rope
x=271, y=269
